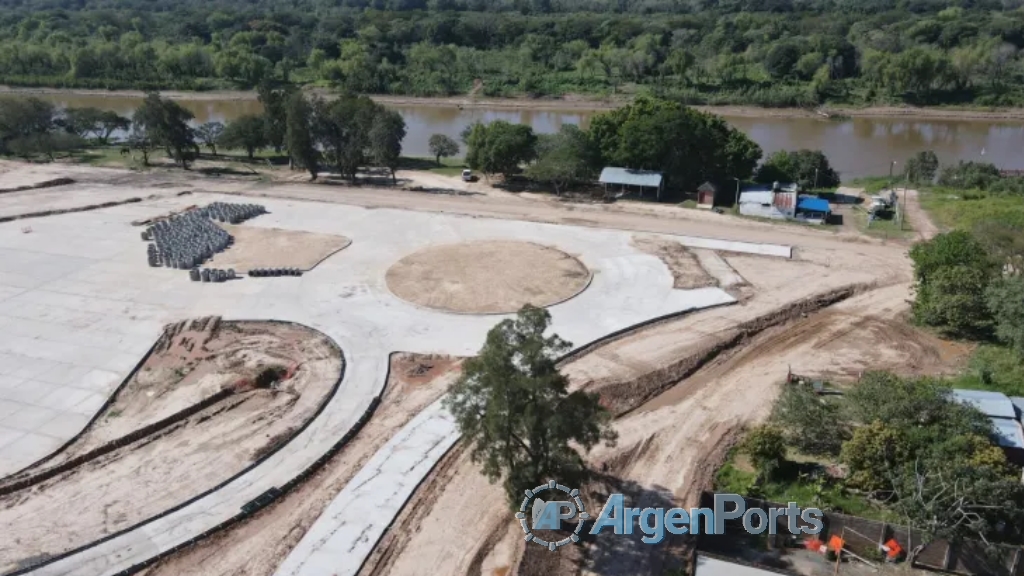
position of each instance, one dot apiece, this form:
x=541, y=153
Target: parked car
x=468, y=176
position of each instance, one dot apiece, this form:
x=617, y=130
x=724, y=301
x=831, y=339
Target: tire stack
x=187, y=240
x=232, y=213
x=271, y=272
x=211, y=274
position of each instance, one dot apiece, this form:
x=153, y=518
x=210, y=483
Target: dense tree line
x=346, y=134
x=766, y=52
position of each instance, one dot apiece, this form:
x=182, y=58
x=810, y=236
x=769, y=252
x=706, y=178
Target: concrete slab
x=89, y=303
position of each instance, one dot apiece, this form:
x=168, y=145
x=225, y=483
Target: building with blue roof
x=782, y=201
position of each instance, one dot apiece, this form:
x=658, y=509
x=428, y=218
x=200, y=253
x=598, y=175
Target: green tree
x=564, y=158
x=952, y=271
x=514, y=409
x=166, y=124
x=874, y=451
x=385, y=139
x=22, y=118
x=299, y=134
x=781, y=60
x=442, y=146
x=1005, y=299
x=688, y=146
x=766, y=447
x=45, y=143
x=275, y=116
x=811, y=423
x=342, y=129
x=209, y=133
x=247, y=132
x=808, y=168
x=921, y=167
x=500, y=147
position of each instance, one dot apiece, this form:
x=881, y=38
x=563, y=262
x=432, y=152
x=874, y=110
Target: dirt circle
x=489, y=277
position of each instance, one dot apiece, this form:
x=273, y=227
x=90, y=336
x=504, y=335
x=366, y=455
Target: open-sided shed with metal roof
x=624, y=177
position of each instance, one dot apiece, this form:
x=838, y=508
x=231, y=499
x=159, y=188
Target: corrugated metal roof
x=629, y=177
x=756, y=197
x=1018, y=404
x=994, y=404
x=1008, y=433
x=812, y=204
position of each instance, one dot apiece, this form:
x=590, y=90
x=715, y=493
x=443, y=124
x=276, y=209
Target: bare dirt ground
x=258, y=546
x=487, y=277
x=256, y=247
x=265, y=380
x=687, y=272
x=917, y=218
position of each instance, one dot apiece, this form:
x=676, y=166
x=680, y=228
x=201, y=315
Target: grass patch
x=994, y=368
x=448, y=167
x=871, y=184
x=964, y=209
x=800, y=480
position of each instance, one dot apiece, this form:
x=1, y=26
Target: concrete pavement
x=82, y=306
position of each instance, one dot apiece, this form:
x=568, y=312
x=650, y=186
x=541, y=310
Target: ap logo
x=549, y=515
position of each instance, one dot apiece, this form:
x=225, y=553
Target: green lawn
x=994, y=368
x=448, y=167
x=964, y=209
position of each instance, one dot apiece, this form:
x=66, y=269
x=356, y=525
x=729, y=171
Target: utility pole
x=891, y=166
x=737, y=193
x=815, y=178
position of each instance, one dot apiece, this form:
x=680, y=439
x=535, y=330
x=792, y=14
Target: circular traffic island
x=487, y=277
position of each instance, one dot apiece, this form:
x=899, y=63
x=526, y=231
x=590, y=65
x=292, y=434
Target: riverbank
x=570, y=102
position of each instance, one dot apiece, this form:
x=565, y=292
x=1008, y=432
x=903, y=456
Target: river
x=855, y=147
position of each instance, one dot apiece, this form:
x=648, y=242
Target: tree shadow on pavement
x=614, y=554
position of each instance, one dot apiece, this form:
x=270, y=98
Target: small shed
x=706, y=194
x=628, y=179
x=813, y=208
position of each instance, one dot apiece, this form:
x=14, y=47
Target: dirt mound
x=490, y=277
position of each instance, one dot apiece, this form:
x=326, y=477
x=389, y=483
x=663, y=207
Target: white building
x=769, y=200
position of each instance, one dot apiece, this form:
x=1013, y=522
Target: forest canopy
x=762, y=52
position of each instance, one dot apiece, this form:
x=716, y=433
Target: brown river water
x=855, y=147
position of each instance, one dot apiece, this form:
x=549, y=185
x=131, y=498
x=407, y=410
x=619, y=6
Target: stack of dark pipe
x=267, y=272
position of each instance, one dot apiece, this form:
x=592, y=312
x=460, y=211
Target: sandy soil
x=568, y=102
x=487, y=277
x=917, y=218
x=257, y=247
x=687, y=272
x=111, y=490
x=258, y=546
